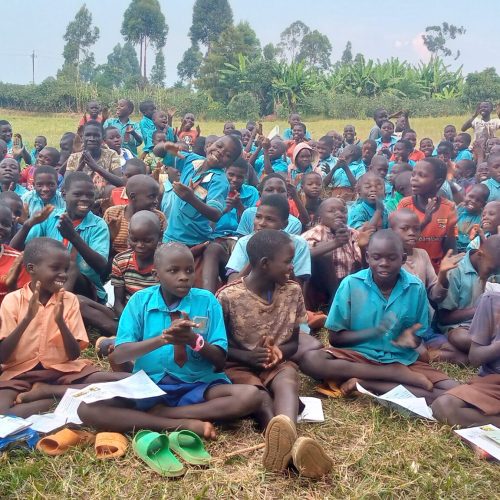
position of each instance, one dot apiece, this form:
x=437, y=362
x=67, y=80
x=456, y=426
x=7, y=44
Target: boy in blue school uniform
x=469, y=214
x=84, y=234
x=44, y=191
x=9, y=176
x=130, y=131
x=272, y=158
x=147, y=125
x=461, y=145
x=176, y=334
x=375, y=324
x=387, y=139
x=493, y=182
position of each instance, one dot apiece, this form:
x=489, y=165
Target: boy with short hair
x=45, y=191
x=40, y=143
x=493, y=183
x=380, y=115
x=129, y=130
x=9, y=177
x=481, y=122
x=48, y=157
x=469, y=214
x=461, y=146
x=271, y=160
x=411, y=136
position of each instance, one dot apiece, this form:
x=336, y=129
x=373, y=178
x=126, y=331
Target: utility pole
x=33, y=66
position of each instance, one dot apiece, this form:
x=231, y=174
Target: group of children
x=394, y=249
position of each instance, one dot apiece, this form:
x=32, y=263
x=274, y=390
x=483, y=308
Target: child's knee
x=444, y=407
x=311, y=363
x=85, y=412
x=249, y=398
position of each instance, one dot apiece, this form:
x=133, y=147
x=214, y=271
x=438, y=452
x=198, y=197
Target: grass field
x=377, y=453
x=53, y=125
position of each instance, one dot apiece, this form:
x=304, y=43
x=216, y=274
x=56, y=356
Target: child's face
x=94, y=108
x=45, y=158
x=175, y=272
x=6, y=133
x=276, y=149
x=66, y=144
x=148, y=110
x=79, y=199
x=482, y=172
x=459, y=144
x=188, y=121
x=380, y=117
x=474, y=201
x=280, y=268
x=494, y=141
x=298, y=133
x=371, y=188
x=92, y=137
x=311, y=185
x=408, y=227
x=449, y=133
x=464, y=169
x=9, y=171
x=494, y=167
x=229, y=128
x=16, y=208
x=113, y=140
x=52, y=271
x=400, y=152
x=367, y=153
x=444, y=154
x=411, y=137
x=158, y=137
x=380, y=166
x=490, y=219
x=293, y=120
x=236, y=178
x=40, y=143
x=160, y=119
x=485, y=109
x=142, y=240
x=423, y=181
x=274, y=186
x=245, y=136
x=144, y=198
x=333, y=213
x=323, y=150
x=221, y=153
x=303, y=159
x=402, y=184
x=349, y=133
x=268, y=218
x=122, y=109
x=387, y=130
x=45, y=186
x=5, y=223
x=427, y=147
x=385, y=261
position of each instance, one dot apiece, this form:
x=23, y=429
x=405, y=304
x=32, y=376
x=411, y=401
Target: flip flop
x=330, y=389
x=62, y=441
x=110, y=445
x=189, y=447
x=153, y=449
x=279, y=437
x=309, y=458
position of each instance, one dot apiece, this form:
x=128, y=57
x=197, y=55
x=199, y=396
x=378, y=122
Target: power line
x=33, y=66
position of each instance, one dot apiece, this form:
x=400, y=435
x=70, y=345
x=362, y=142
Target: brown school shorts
x=481, y=392
x=25, y=381
x=420, y=367
x=240, y=374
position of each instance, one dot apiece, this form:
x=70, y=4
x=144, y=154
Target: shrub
x=243, y=106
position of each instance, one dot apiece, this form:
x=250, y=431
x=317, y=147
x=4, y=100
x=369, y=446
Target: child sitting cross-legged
x=176, y=334
x=375, y=324
x=263, y=313
x=42, y=335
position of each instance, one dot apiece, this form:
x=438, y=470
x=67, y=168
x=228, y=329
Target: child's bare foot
x=204, y=429
x=39, y=390
x=403, y=375
x=349, y=387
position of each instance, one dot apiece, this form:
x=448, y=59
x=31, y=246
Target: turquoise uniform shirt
x=278, y=165
x=146, y=316
x=361, y=211
x=301, y=258
x=464, y=154
x=148, y=128
x=328, y=163
x=248, y=217
x=131, y=144
x=228, y=223
x=359, y=304
x=412, y=163
x=464, y=225
x=340, y=178
x=35, y=203
x=18, y=189
x=389, y=146
x=288, y=135
x=167, y=199
x=494, y=187
x=189, y=226
x=93, y=231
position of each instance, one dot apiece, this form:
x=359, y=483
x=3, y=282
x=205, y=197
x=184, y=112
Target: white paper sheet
x=47, y=422
x=313, y=411
x=11, y=425
x=402, y=400
x=478, y=436
x=275, y=131
x=68, y=406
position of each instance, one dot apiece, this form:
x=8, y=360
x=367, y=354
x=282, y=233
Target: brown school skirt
x=420, y=367
x=240, y=374
x=345, y=193
x=481, y=392
x=25, y=381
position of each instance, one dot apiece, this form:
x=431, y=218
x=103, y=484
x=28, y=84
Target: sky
x=391, y=29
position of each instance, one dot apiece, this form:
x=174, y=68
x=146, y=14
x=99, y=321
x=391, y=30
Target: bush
x=243, y=106
x=482, y=86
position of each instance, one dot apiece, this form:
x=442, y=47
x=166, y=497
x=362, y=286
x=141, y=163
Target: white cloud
x=419, y=48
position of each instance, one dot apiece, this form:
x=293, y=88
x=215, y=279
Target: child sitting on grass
x=401, y=189
x=467, y=284
x=185, y=133
x=427, y=147
x=310, y=192
x=176, y=334
x=39, y=143
x=378, y=350
x=113, y=140
x=490, y=224
x=465, y=174
x=387, y=139
x=304, y=160
x=42, y=335
x=47, y=156
x=411, y=136
x=493, y=183
x=469, y=214
x=271, y=160
x=260, y=346
x=9, y=177
x=45, y=191
x=147, y=126
x=477, y=402
x=380, y=166
x=461, y=147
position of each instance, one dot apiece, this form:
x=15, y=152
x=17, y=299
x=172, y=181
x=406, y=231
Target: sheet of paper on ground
x=402, y=400
x=313, y=410
x=479, y=437
x=11, y=425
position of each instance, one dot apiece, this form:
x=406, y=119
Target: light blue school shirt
x=167, y=199
x=465, y=221
x=340, y=178
x=278, y=165
x=476, y=242
x=35, y=203
x=412, y=163
x=146, y=315
x=301, y=259
x=93, y=231
x=248, y=217
x=189, y=226
x=327, y=164
x=228, y=223
x=464, y=154
x=288, y=134
x=34, y=155
x=148, y=128
x=359, y=304
x=132, y=144
x=494, y=187
x=464, y=290
x=361, y=211
x=390, y=147
x=18, y=189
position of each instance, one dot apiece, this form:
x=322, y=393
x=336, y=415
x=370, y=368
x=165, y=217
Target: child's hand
x=266, y=144
x=341, y=236
x=34, y=302
x=66, y=228
x=259, y=357
x=13, y=273
x=364, y=234
x=17, y=146
x=40, y=215
x=184, y=192
x=173, y=148
x=407, y=338
x=450, y=261
x=81, y=163
x=129, y=129
x=430, y=208
x=234, y=202
x=89, y=161
x=180, y=331
x=59, y=307
x=171, y=112
x=275, y=354
x=198, y=131
x=291, y=191
x=114, y=227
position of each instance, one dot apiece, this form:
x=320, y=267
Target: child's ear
x=264, y=263
x=30, y=268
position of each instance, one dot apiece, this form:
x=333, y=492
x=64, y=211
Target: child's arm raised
x=468, y=124
x=9, y=344
x=18, y=241
x=187, y=194
x=71, y=345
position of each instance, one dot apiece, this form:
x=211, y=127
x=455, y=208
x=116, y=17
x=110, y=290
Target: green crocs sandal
x=153, y=449
x=189, y=447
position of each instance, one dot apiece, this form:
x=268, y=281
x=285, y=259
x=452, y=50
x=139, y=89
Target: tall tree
x=291, y=38
x=347, y=54
x=158, y=70
x=189, y=67
x=437, y=37
x=210, y=19
x=315, y=50
x=144, y=24
x=122, y=68
x=80, y=35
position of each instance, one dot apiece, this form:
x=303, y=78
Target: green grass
x=53, y=125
